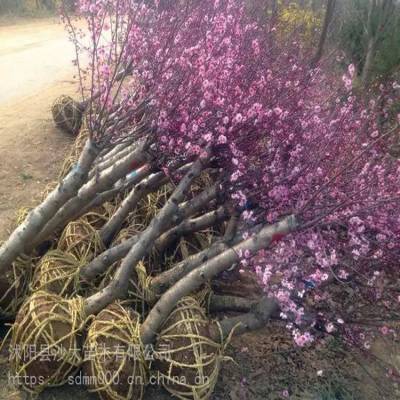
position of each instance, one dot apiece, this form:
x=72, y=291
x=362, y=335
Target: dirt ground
x=266, y=363
x=31, y=150
x=32, y=77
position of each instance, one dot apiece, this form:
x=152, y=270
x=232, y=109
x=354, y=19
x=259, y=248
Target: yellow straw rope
x=17, y=281
x=114, y=356
x=45, y=343
x=80, y=239
x=58, y=273
x=190, y=364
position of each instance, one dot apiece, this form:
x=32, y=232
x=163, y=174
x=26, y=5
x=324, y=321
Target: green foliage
x=32, y=7
x=353, y=39
x=11, y=6
x=388, y=55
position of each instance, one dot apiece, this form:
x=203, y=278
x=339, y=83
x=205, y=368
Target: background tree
x=369, y=35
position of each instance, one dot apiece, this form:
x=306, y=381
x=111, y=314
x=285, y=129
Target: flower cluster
x=287, y=139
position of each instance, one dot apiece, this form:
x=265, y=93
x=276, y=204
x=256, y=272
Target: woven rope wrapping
x=58, y=273
x=188, y=360
x=143, y=288
x=45, y=344
x=67, y=114
x=149, y=206
x=80, y=239
x=136, y=298
x=14, y=286
x=21, y=215
x=99, y=215
x=114, y=357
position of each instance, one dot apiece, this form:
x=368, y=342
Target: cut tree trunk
x=118, y=287
x=207, y=271
x=21, y=239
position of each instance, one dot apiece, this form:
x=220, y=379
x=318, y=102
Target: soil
x=31, y=152
x=32, y=77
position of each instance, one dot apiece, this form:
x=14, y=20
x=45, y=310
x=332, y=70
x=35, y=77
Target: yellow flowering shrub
x=302, y=20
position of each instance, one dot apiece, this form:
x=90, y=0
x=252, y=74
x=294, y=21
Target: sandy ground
x=33, y=55
x=34, y=70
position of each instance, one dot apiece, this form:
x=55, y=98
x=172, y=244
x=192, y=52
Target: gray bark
x=101, y=263
x=219, y=303
x=89, y=191
x=21, y=239
x=165, y=280
x=368, y=63
x=119, y=285
x=206, y=272
x=261, y=313
x=113, y=226
x=110, y=159
x=330, y=9
x=189, y=226
x=379, y=15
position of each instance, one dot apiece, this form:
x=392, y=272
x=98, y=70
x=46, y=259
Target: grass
x=26, y=177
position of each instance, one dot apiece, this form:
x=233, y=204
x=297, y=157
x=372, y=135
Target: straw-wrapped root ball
x=58, y=273
x=14, y=287
x=67, y=114
x=99, y=216
x=188, y=359
x=80, y=239
x=46, y=343
x=115, y=366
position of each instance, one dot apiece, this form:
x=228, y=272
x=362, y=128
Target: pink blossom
x=222, y=139
x=385, y=330
x=238, y=118
x=330, y=327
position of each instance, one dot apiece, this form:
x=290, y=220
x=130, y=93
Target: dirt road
x=33, y=56
x=35, y=68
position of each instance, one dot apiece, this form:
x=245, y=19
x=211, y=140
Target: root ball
x=114, y=362
x=81, y=240
x=67, y=114
x=45, y=344
x=14, y=287
x=188, y=358
x=57, y=273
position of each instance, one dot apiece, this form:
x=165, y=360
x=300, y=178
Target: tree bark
x=369, y=59
x=263, y=311
x=21, y=239
x=189, y=226
x=119, y=285
x=207, y=271
x=160, y=283
x=219, y=303
x=112, y=227
x=330, y=10
x=90, y=190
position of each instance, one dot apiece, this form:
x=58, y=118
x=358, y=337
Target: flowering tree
x=303, y=177
x=217, y=85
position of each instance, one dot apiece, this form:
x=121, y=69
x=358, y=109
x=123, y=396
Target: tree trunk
x=207, y=271
x=369, y=59
x=21, y=239
x=330, y=9
x=90, y=190
x=120, y=283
